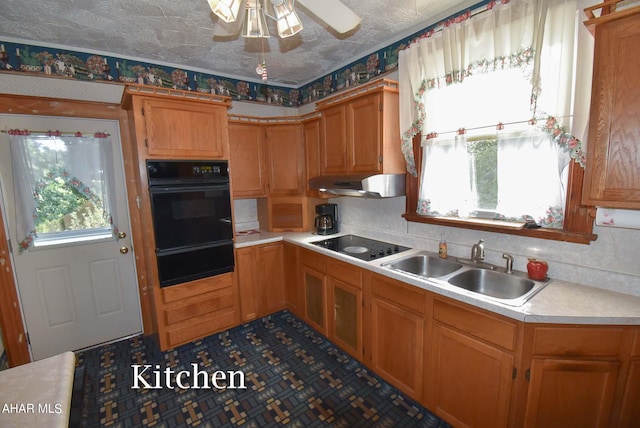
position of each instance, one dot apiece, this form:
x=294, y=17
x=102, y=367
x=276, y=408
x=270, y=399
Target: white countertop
x=38, y=394
x=559, y=302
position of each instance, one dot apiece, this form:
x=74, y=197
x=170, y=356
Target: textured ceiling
x=180, y=33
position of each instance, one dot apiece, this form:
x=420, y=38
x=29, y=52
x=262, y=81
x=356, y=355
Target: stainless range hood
x=362, y=185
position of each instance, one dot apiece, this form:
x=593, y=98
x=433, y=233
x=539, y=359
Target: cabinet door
x=630, y=414
x=285, y=157
x=346, y=322
x=570, y=393
x=333, y=148
x=271, y=274
x=246, y=267
x=469, y=380
x=397, y=345
x=315, y=299
x=364, y=133
x=247, y=161
x=612, y=176
x=293, y=286
x=183, y=129
x=312, y=150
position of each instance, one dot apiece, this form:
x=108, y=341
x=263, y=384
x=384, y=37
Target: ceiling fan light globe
x=289, y=25
x=255, y=23
x=227, y=10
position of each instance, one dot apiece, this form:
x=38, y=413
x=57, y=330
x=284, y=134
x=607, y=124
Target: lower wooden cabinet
x=574, y=375
x=470, y=366
x=260, y=280
x=314, y=290
x=470, y=369
x=196, y=309
x=396, y=322
x=344, y=282
x=566, y=393
x=630, y=409
x=292, y=284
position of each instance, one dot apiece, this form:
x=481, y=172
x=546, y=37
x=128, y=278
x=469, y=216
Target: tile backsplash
x=610, y=262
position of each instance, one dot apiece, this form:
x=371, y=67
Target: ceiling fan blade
x=335, y=14
x=229, y=29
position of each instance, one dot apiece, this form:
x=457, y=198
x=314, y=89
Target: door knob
x=122, y=235
x=124, y=250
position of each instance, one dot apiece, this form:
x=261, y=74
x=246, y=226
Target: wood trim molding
x=37, y=106
x=13, y=331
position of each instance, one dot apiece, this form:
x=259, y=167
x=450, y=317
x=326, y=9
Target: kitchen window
x=486, y=104
x=63, y=190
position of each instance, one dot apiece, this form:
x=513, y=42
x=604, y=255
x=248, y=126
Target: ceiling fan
x=248, y=16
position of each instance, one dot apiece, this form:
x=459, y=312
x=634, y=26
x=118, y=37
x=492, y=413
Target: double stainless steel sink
x=512, y=289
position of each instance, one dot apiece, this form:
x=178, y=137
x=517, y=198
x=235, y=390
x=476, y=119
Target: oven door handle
x=182, y=189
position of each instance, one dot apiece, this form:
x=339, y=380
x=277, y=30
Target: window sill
x=552, y=234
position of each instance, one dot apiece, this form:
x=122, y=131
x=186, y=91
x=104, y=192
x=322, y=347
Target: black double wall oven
x=192, y=224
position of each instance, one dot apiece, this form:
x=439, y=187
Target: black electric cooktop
x=362, y=248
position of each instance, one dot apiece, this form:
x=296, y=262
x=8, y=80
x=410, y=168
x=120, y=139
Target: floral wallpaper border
x=40, y=60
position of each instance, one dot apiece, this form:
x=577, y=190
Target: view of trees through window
x=61, y=207
x=484, y=172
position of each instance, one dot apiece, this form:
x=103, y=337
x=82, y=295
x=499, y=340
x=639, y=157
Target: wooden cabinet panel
x=271, y=274
x=247, y=161
x=176, y=128
x=315, y=297
x=364, y=132
x=571, y=393
x=577, y=341
x=360, y=132
x=286, y=160
x=630, y=413
x=260, y=280
x=292, y=283
x=474, y=323
x=196, y=309
x=312, y=151
x=333, y=146
x=469, y=380
x=345, y=328
x=612, y=176
x=396, y=348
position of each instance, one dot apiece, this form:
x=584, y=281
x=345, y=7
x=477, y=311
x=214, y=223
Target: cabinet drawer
x=344, y=272
x=199, y=327
x=314, y=260
x=199, y=305
x=411, y=297
x=577, y=341
x=194, y=288
x=483, y=326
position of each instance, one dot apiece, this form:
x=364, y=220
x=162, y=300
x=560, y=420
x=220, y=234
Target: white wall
x=611, y=262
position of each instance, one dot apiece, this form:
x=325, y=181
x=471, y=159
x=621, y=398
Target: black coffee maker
x=326, y=219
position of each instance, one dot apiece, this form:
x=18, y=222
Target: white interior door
x=75, y=294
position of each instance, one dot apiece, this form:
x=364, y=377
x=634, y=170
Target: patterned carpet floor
x=294, y=377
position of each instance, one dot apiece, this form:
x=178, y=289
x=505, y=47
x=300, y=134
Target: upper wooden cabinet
x=248, y=163
x=267, y=159
x=169, y=126
x=360, y=131
x=612, y=176
x=285, y=159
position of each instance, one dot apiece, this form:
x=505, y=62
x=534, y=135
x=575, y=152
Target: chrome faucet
x=509, y=259
x=477, y=251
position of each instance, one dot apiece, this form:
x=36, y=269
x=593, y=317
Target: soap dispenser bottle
x=442, y=248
